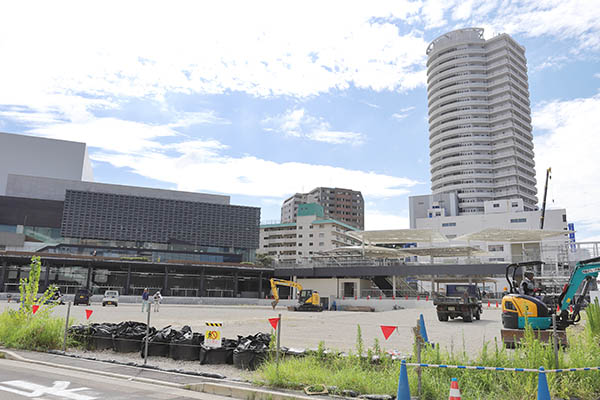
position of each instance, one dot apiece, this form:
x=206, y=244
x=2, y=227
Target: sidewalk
x=222, y=387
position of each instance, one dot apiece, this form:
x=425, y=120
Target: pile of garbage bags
x=246, y=352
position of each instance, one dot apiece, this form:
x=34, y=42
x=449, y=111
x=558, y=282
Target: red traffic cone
x=488, y=304
x=496, y=304
x=454, y=390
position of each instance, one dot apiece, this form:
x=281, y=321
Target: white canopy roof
x=385, y=252
x=399, y=236
x=510, y=235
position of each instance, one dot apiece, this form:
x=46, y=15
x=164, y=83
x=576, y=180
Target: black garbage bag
x=101, y=336
x=187, y=347
x=128, y=336
x=158, y=343
x=220, y=355
x=251, y=351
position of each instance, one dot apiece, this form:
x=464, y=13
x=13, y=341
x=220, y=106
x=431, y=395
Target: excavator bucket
x=512, y=337
x=274, y=303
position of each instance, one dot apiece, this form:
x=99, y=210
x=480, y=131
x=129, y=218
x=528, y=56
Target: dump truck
x=460, y=300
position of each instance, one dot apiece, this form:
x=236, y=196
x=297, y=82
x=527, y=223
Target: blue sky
x=262, y=99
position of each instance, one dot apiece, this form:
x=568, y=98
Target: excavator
x=538, y=309
x=308, y=299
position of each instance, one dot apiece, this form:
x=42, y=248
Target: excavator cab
x=309, y=300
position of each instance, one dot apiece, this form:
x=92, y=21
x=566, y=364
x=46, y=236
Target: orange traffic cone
x=454, y=391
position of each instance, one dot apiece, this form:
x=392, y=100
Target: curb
x=9, y=355
x=239, y=391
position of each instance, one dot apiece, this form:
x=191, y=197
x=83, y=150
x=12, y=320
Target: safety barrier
x=403, y=392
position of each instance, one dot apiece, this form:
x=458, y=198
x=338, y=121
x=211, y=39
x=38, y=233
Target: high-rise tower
x=480, y=140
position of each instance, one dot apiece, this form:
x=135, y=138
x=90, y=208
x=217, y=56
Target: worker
x=527, y=286
x=157, y=298
x=145, y=300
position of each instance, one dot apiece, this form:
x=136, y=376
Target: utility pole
x=548, y=171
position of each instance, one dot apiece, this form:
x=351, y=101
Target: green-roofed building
x=311, y=234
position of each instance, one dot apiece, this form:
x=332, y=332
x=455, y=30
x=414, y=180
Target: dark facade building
x=178, y=239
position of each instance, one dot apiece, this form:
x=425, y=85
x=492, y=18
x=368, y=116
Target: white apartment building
x=480, y=140
x=506, y=215
x=311, y=234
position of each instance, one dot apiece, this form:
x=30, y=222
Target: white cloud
x=187, y=119
x=597, y=75
x=569, y=146
x=577, y=21
x=203, y=165
x=264, y=49
x=376, y=220
x=297, y=123
x=403, y=113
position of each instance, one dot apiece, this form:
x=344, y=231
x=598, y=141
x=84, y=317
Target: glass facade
x=130, y=277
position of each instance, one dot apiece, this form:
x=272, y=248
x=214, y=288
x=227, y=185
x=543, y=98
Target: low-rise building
x=311, y=234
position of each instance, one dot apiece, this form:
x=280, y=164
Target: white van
x=111, y=298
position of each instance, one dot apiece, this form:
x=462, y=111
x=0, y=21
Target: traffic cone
x=543, y=391
x=427, y=298
x=496, y=303
x=422, y=329
x=454, y=390
x=488, y=304
x=403, y=388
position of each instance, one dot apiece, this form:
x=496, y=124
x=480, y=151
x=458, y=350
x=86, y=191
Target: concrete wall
x=30, y=155
x=35, y=187
x=12, y=239
x=325, y=287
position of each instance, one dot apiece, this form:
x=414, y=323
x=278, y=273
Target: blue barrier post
x=403, y=388
x=543, y=391
x=423, y=329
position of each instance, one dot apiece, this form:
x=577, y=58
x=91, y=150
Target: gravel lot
x=306, y=329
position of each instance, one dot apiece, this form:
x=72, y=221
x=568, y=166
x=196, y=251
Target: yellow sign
x=212, y=334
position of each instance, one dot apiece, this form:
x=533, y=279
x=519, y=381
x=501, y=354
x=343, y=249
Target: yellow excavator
x=308, y=299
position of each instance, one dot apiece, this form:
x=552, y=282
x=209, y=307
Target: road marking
x=33, y=390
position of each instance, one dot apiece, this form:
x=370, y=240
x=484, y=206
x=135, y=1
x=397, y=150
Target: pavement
x=128, y=375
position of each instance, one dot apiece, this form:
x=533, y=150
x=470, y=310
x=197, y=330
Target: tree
x=29, y=288
x=264, y=260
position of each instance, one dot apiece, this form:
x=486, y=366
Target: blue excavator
x=537, y=309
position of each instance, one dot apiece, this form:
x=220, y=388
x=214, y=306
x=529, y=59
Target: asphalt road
x=19, y=380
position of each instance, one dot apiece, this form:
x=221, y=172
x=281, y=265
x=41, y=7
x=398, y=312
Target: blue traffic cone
x=403, y=389
x=543, y=391
x=423, y=329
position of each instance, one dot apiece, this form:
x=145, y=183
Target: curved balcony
x=454, y=69
x=434, y=86
x=459, y=149
x=461, y=84
x=434, y=60
x=453, y=132
x=458, y=179
x=478, y=115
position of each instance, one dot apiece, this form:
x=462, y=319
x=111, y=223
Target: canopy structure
x=399, y=236
x=386, y=252
x=447, y=251
x=510, y=235
x=370, y=251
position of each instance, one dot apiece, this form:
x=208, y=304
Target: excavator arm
x=281, y=282
x=585, y=271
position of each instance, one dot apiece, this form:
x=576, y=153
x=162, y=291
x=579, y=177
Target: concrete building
x=480, y=140
x=344, y=205
x=50, y=158
x=312, y=233
x=58, y=215
x=505, y=215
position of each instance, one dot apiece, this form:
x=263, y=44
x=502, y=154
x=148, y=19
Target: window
x=509, y=305
x=299, y=244
x=564, y=217
x=300, y=235
x=321, y=243
x=311, y=235
x=300, y=253
x=515, y=204
x=496, y=247
x=321, y=235
x=449, y=224
x=518, y=220
x=310, y=244
x=496, y=205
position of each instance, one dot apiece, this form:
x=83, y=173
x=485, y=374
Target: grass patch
x=356, y=373
x=31, y=332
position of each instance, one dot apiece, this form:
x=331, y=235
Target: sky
x=262, y=99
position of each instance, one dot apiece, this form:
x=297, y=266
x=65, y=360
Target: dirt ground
x=337, y=329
